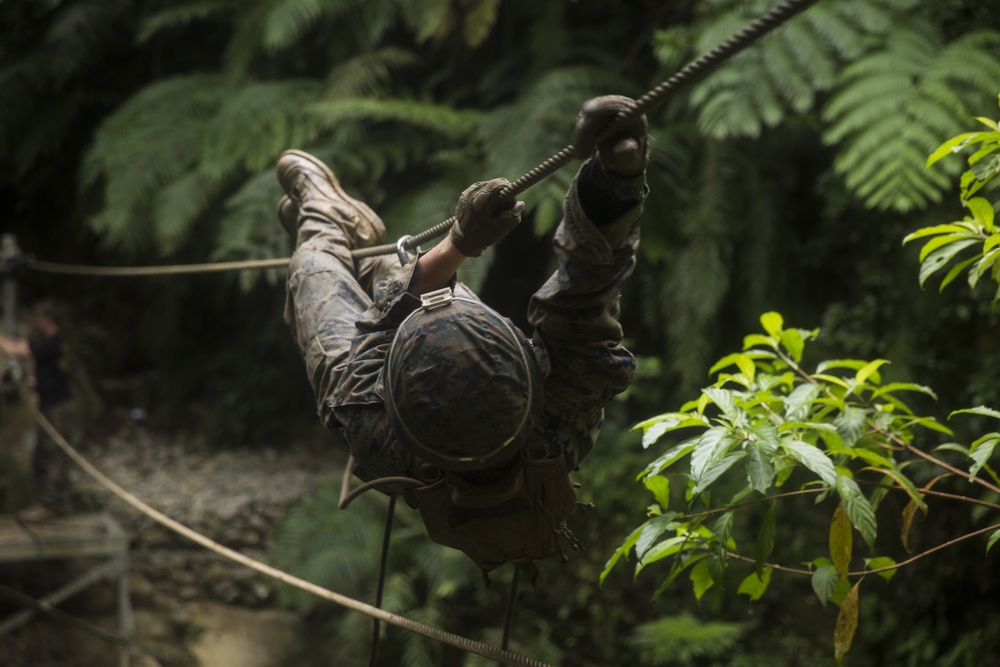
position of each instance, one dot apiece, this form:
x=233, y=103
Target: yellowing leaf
x=847, y=624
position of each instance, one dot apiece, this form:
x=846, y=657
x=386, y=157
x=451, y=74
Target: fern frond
x=435, y=117
x=181, y=15
x=663, y=640
x=365, y=74
x=431, y=20
x=893, y=109
x=479, y=21
x=255, y=123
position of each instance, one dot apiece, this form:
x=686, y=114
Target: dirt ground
x=191, y=607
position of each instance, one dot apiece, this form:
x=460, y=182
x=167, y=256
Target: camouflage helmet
x=462, y=386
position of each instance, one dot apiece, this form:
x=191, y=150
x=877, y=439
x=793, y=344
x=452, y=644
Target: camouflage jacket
x=576, y=338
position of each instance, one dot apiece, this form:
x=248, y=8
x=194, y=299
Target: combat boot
x=315, y=193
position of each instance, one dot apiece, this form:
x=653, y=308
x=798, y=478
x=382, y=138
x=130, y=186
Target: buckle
x=436, y=299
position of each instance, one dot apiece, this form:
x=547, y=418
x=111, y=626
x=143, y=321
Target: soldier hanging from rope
x=440, y=398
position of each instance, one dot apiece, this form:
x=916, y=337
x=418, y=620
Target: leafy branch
x=767, y=417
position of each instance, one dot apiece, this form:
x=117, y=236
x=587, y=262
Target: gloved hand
x=483, y=217
x=626, y=151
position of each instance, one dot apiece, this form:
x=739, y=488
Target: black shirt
x=52, y=370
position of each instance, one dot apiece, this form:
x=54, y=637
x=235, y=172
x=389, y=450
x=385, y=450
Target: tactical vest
x=529, y=524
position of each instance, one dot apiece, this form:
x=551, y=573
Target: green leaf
x=660, y=487
x=953, y=145
x=824, y=582
x=870, y=370
x=756, y=339
x=712, y=446
x=950, y=228
x=715, y=470
x=797, y=401
x=904, y=386
x=880, y=562
x=621, y=552
x=725, y=400
x=847, y=624
x=701, y=579
x=772, y=323
x=859, y=510
x=841, y=541
x=851, y=424
x=982, y=211
x=652, y=530
x=754, y=586
x=940, y=257
x=765, y=539
x=669, y=457
x=982, y=410
x=981, y=451
x=993, y=540
x=760, y=470
x=905, y=483
x=811, y=457
x=792, y=341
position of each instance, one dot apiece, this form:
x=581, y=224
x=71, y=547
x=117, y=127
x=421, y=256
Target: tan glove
x=483, y=217
x=626, y=151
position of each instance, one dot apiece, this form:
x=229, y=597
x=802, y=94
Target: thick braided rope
x=693, y=72
x=462, y=643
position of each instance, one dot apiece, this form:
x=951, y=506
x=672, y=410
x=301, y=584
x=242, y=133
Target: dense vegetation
x=144, y=131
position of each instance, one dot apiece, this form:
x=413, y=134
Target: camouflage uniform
x=344, y=314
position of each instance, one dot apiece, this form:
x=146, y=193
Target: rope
x=691, y=73
x=173, y=269
x=462, y=643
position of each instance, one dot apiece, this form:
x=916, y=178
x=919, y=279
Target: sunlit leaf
x=880, y=562
x=754, y=586
x=824, y=582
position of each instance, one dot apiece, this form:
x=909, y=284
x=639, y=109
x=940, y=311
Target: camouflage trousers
x=327, y=291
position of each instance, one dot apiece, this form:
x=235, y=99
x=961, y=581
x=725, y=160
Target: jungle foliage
x=145, y=131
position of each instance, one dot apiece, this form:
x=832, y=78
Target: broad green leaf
x=715, y=470
x=756, y=339
x=953, y=145
x=808, y=426
x=880, y=562
x=792, y=341
x=760, y=470
x=859, y=510
x=811, y=457
x=982, y=410
x=944, y=240
x=870, y=370
x=701, y=579
x=852, y=364
x=940, y=257
x=981, y=451
x=652, y=530
x=841, y=541
x=824, y=582
x=666, y=548
x=871, y=457
x=982, y=211
x=712, y=446
x=851, y=424
x=620, y=552
x=747, y=366
x=773, y=323
x=728, y=360
x=754, y=586
x=725, y=400
x=950, y=228
x=993, y=540
x=765, y=539
x=954, y=272
x=929, y=423
x=660, y=487
x=670, y=457
x=847, y=624
x=797, y=401
x=904, y=386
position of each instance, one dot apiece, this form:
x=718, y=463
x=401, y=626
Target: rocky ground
x=192, y=607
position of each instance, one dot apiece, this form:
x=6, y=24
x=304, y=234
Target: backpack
x=525, y=526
